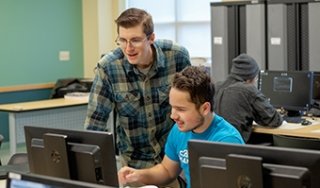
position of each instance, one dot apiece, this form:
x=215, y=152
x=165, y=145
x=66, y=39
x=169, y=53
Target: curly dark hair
x=197, y=82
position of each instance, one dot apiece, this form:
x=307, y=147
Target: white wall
x=99, y=30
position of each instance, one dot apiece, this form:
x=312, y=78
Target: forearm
x=265, y=113
x=158, y=175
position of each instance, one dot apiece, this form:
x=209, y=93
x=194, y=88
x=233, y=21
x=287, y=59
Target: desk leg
x=12, y=133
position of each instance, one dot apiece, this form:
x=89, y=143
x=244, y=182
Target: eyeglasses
x=134, y=42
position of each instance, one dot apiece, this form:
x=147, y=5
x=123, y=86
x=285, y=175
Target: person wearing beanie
x=239, y=101
x=245, y=67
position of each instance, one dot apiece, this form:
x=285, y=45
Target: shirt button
x=150, y=114
x=148, y=98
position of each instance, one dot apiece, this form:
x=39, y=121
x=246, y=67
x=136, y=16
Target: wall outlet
x=64, y=55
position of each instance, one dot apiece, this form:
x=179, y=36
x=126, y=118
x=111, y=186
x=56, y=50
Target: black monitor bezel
x=316, y=85
x=53, y=182
x=287, y=157
x=103, y=140
x=284, y=100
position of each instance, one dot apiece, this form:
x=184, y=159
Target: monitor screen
x=226, y=165
x=290, y=90
x=20, y=180
x=316, y=85
x=87, y=156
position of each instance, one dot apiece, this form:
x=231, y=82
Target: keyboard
x=293, y=119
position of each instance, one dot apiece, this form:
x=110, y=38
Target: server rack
x=293, y=35
x=237, y=27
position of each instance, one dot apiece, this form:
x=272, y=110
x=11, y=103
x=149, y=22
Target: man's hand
x=128, y=175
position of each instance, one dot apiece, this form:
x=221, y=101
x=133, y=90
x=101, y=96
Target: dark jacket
x=68, y=85
x=241, y=103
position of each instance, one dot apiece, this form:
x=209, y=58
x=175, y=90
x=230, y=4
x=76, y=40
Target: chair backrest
x=1, y=139
x=18, y=158
x=296, y=142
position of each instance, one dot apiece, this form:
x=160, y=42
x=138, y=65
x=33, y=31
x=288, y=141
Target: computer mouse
x=306, y=122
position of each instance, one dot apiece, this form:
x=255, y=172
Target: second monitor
x=289, y=90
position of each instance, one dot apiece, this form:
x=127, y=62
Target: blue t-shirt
x=177, y=143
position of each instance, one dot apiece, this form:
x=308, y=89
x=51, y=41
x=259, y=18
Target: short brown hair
x=197, y=82
x=133, y=17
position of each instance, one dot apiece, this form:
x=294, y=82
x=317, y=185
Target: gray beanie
x=245, y=67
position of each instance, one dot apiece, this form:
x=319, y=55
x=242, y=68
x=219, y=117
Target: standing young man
x=134, y=81
x=191, y=98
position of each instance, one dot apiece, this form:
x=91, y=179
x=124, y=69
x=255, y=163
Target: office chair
x=1, y=139
x=296, y=142
x=18, y=158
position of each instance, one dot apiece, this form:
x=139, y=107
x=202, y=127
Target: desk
x=289, y=129
x=3, y=183
x=54, y=113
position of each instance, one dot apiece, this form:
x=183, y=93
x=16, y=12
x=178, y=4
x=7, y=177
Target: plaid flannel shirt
x=140, y=101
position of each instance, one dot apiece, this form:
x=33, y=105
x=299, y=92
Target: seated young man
x=239, y=101
x=191, y=99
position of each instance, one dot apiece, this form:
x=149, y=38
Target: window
x=186, y=22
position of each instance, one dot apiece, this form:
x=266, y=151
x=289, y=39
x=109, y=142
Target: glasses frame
x=134, y=42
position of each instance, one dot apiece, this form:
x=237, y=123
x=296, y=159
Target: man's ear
x=206, y=108
x=152, y=37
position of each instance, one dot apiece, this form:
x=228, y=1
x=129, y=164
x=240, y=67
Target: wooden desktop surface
x=3, y=183
x=42, y=104
x=293, y=129
x=73, y=115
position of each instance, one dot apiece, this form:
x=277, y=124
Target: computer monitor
x=21, y=180
x=87, y=156
x=226, y=165
x=316, y=88
x=290, y=90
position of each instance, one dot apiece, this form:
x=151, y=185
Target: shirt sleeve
x=265, y=114
x=171, y=146
x=100, y=105
x=232, y=139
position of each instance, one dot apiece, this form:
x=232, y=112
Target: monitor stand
x=244, y=171
x=293, y=116
x=56, y=155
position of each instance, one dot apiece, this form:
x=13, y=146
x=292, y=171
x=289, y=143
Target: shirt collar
x=158, y=64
